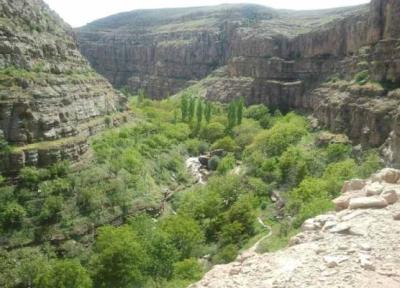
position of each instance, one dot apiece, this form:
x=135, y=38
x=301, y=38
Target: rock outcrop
x=51, y=100
x=353, y=248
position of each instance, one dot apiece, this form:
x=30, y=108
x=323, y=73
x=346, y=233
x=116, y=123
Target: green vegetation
x=108, y=225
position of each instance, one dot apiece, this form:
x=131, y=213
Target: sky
x=80, y=12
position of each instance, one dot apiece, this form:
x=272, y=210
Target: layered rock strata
x=49, y=95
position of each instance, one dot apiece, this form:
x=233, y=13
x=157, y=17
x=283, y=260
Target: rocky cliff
x=353, y=248
x=343, y=65
x=51, y=100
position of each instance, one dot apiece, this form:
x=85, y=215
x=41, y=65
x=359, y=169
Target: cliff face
x=163, y=51
x=50, y=98
x=284, y=59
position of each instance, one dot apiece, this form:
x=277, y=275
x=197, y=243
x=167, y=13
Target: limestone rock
x=48, y=90
x=390, y=196
x=367, y=202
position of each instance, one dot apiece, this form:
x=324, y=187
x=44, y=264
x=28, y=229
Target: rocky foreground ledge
x=358, y=246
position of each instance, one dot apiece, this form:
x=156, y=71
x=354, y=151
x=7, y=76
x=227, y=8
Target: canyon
x=302, y=60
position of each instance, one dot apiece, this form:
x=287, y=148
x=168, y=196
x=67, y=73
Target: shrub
x=64, y=273
x=226, y=143
x=192, y=146
x=257, y=112
x=188, y=269
x=337, y=152
x=31, y=176
x=226, y=254
x=275, y=141
x=311, y=209
x=245, y=133
x=213, y=163
x=184, y=233
x=213, y=131
x=13, y=215
x=51, y=209
x=362, y=77
x=226, y=164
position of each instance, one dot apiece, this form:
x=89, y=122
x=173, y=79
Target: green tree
x=185, y=108
x=12, y=215
x=192, y=108
x=119, y=259
x=232, y=115
x=141, y=96
x=188, y=269
x=199, y=112
x=208, y=111
x=239, y=112
x=213, y=131
x=184, y=233
x=64, y=274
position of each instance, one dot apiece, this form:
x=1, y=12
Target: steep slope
x=50, y=98
x=351, y=248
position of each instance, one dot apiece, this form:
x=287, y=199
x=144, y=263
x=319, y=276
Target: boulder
x=396, y=216
x=373, y=189
x=390, y=196
x=355, y=184
x=204, y=160
x=367, y=202
x=342, y=202
x=388, y=175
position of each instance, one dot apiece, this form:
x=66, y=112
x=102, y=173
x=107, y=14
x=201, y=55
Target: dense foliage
x=108, y=225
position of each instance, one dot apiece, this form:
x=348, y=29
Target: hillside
x=350, y=248
x=50, y=98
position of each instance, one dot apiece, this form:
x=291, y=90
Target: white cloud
x=80, y=12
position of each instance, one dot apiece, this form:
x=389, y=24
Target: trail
x=266, y=226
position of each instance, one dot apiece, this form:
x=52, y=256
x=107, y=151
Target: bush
x=196, y=147
x=31, y=176
x=184, y=233
x=245, y=133
x=213, y=163
x=226, y=143
x=257, y=112
x=51, y=209
x=226, y=254
x=188, y=269
x=337, y=152
x=13, y=215
x=275, y=141
x=64, y=273
x=226, y=164
x=362, y=77
x=213, y=131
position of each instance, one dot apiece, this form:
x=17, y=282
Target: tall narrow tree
x=208, y=111
x=199, y=112
x=239, y=112
x=185, y=108
x=192, y=108
x=231, y=115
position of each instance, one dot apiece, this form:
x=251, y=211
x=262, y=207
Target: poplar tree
x=184, y=108
x=239, y=112
x=192, y=108
x=208, y=111
x=199, y=112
